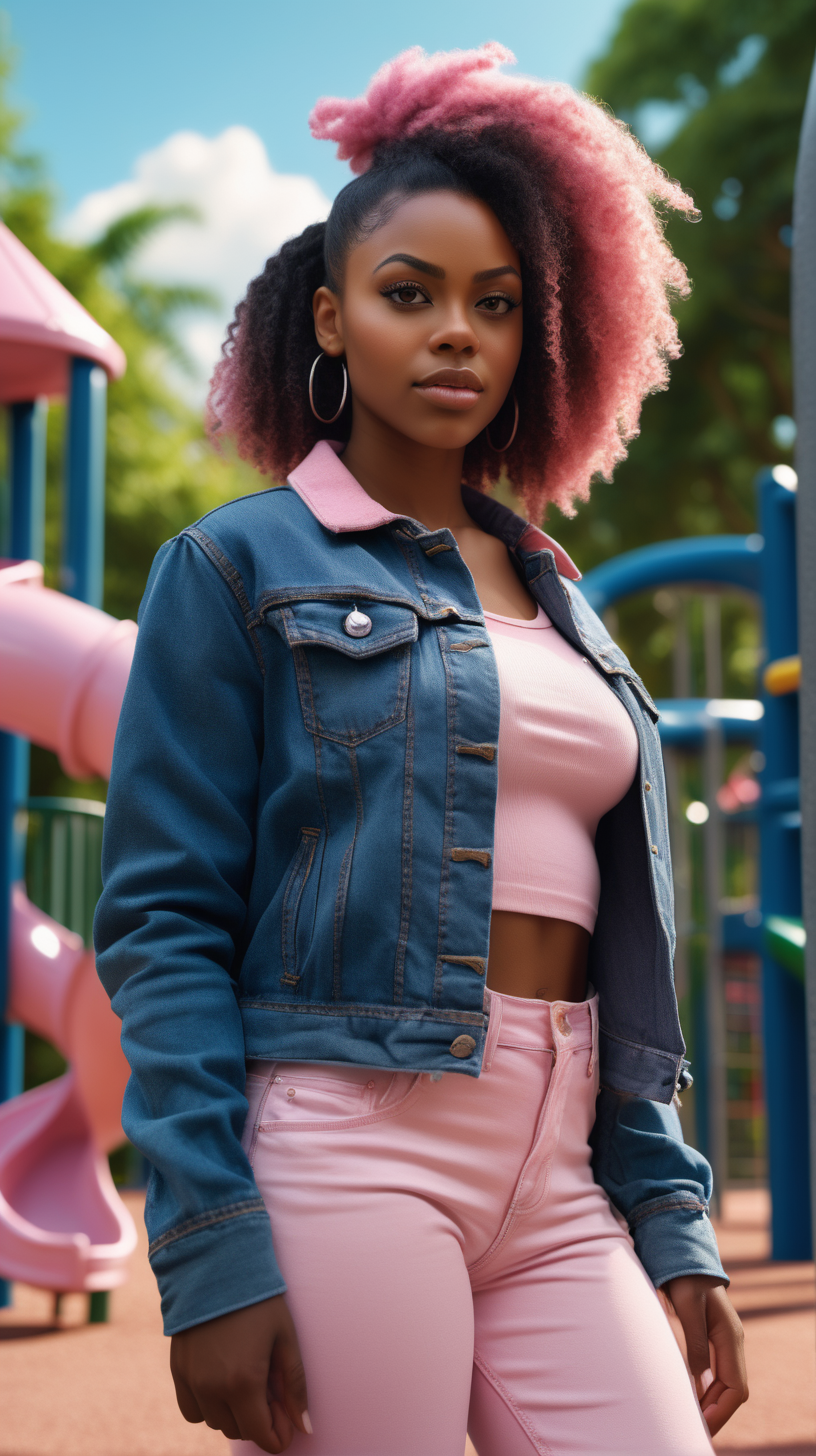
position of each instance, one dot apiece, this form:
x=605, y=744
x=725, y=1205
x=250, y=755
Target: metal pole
x=716, y=1079
x=783, y=1003
x=27, y=430
x=84, y=524
x=804, y=380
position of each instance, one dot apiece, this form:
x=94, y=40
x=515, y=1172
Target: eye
x=406, y=295
x=497, y=303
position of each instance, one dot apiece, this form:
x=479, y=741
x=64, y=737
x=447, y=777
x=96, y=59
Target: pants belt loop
x=593, y=1020
x=493, y=1029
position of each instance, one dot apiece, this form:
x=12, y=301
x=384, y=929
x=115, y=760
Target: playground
x=110, y=1393
x=84, y=1364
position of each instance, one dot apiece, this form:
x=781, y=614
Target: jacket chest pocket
x=350, y=687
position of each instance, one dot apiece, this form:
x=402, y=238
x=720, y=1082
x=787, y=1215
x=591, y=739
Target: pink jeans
x=451, y=1263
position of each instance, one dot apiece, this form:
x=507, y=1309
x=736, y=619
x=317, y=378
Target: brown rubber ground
x=74, y=1389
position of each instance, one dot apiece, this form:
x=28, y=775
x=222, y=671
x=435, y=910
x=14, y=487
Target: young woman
x=387, y=798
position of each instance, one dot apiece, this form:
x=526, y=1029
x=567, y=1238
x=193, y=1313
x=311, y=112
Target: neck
x=408, y=478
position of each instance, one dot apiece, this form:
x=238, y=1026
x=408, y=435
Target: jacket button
x=357, y=624
x=654, y=849
x=647, y=786
x=463, y=1046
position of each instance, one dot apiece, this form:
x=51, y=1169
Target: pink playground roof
x=41, y=326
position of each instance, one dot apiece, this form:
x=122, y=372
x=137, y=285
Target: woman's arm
x=177, y=864
x=663, y=1189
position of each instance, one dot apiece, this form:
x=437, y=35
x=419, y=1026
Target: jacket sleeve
x=660, y=1185
x=177, y=863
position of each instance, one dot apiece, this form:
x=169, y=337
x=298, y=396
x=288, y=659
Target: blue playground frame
x=764, y=565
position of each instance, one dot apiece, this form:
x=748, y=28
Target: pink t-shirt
x=568, y=752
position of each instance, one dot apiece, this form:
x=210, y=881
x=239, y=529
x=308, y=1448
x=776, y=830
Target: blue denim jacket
x=297, y=860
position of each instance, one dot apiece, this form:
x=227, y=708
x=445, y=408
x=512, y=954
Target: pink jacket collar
x=340, y=504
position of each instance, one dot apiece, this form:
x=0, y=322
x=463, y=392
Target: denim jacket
x=297, y=860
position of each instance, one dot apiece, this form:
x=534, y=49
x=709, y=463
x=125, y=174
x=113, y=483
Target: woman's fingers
x=187, y=1403
x=288, y=1379
x=242, y=1374
x=711, y=1324
x=730, y=1389
x=719, y=1404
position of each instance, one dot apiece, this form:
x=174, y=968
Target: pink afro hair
x=606, y=187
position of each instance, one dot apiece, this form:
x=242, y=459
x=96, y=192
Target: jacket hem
x=218, y=1267
x=638, y=1071
x=681, y=1242
x=205, y=1220
x=666, y=1204
x=409, y=1039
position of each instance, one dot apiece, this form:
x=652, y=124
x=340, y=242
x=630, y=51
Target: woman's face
x=429, y=319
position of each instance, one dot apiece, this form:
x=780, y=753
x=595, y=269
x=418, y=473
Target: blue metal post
x=27, y=429
x=781, y=881
x=84, y=525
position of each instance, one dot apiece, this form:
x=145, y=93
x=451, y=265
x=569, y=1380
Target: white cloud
x=247, y=210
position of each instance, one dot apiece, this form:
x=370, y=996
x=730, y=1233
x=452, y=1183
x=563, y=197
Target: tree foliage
x=731, y=79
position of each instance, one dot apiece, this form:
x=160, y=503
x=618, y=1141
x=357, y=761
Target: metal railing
x=63, y=860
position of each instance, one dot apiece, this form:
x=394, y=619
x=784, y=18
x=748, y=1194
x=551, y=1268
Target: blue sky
x=104, y=81
x=207, y=103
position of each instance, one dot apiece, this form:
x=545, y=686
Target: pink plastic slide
x=63, y=1226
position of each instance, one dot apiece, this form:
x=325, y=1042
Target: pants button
x=563, y=1023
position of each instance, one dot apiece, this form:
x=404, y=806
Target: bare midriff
x=537, y=957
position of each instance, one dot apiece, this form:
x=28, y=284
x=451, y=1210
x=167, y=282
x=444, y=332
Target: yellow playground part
x=783, y=676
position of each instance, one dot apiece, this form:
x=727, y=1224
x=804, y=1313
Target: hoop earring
x=332, y=418
x=500, y=449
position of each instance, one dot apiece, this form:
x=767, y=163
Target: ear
x=327, y=322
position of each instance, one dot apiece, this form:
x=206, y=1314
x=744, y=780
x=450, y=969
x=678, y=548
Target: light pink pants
x=451, y=1264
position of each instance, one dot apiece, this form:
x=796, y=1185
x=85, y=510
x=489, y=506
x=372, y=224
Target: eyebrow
x=436, y=272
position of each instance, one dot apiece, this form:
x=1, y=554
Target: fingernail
x=706, y=1380
x=307, y=1425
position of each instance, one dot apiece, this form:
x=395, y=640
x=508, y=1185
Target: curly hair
x=577, y=196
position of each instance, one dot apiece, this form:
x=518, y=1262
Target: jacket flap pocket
x=323, y=623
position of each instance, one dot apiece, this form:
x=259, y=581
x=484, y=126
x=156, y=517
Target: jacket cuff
x=214, y=1264
x=674, y=1237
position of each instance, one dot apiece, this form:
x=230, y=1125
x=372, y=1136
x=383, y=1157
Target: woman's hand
x=242, y=1374
x=710, y=1322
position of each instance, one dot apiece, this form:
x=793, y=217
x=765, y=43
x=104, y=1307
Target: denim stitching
x=307, y=704
x=384, y=1013
x=407, y=859
x=293, y=895
x=343, y=883
x=449, y=830
x=234, y=581
x=639, y=1047
x=667, y=1204
x=348, y=647
x=355, y=590
x=207, y=1220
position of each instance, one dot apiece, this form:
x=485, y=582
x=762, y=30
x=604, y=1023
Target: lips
x=455, y=388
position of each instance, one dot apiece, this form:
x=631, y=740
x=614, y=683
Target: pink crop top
x=568, y=752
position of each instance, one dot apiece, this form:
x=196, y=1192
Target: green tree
x=726, y=84
x=731, y=79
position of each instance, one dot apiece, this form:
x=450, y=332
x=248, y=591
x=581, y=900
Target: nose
x=456, y=334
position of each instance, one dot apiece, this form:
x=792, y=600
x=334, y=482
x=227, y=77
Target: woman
x=386, y=797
